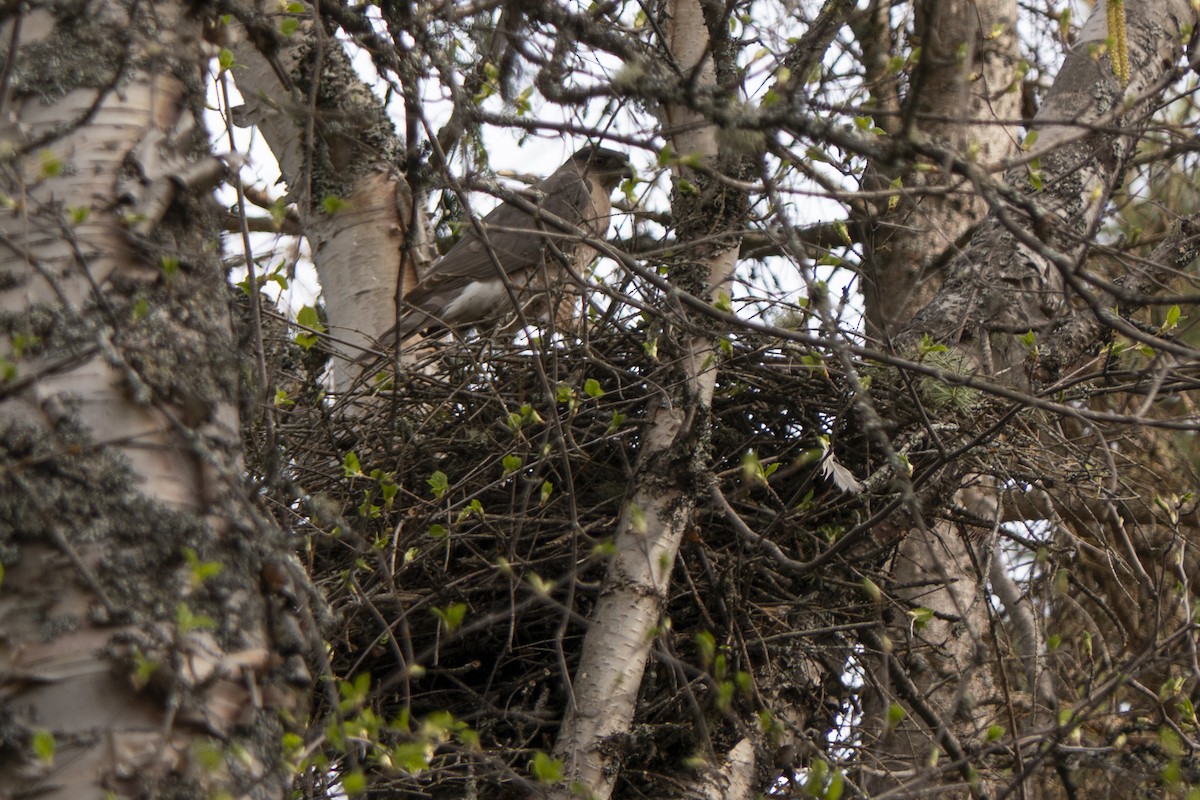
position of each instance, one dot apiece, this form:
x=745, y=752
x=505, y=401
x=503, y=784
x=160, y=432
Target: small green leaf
x=921, y=617
x=928, y=345
x=44, y=745
x=413, y=757
x=1172, y=320
x=895, y=715
x=723, y=302
x=540, y=585
x=354, y=782
x=311, y=322
x=994, y=732
x=288, y=26
x=839, y=226
x=189, y=621
x=547, y=490
x=79, y=214
x=591, y=388
x=201, y=571
x=511, y=463
x=451, y=616
x=473, y=509
x=51, y=166
x=545, y=768
x=439, y=484
x=169, y=266
x=332, y=204
x=350, y=466
x=438, y=531
x=225, y=60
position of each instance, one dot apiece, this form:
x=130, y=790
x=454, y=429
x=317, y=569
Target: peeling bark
x=139, y=655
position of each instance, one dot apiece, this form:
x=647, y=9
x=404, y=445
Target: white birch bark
x=359, y=250
x=120, y=663
x=661, y=507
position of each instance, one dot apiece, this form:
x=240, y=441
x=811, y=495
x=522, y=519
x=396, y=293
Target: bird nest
x=458, y=516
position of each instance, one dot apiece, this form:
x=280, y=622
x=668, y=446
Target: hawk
x=528, y=241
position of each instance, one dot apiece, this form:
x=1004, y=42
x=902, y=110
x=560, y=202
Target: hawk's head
x=608, y=167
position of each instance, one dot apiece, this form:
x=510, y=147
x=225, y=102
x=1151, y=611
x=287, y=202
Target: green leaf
x=189, y=621
x=413, y=757
x=44, y=745
x=332, y=204
x=311, y=321
x=994, y=732
x=818, y=771
x=439, y=484
x=79, y=214
x=511, y=463
x=591, y=388
x=473, y=509
x=842, y=231
x=837, y=786
x=723, y=302
x=547, y=489
x=895, y=715
x=1172, y=320
x=542, y=586
x=928, y=345
x=288, y=26
x=438, y=531
x=51, y=166
x=225, y=60
x=545, y=768
x=201, y=571
x=354, y=782
x=350, y=466
x=451, y=615
x=169, y=266
x=921, y=617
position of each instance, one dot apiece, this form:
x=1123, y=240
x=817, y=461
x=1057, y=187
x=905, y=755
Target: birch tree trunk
x=670, y=477
x=141, y=653
x=340, y=157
